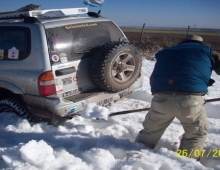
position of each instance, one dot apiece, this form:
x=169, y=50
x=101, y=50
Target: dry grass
x=151, y=43
x=148, y=46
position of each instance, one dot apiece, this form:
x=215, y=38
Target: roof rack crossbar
x=25, y=19
x=38, y=13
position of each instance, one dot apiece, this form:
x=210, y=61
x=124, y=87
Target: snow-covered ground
x=85, y=144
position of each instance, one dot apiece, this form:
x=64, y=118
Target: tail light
x=46, y=84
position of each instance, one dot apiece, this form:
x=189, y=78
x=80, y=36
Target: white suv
x=53, y=62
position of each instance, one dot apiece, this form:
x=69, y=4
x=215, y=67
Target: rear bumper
x=49, y=107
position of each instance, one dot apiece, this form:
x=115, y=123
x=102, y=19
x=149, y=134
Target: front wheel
x=16, y=105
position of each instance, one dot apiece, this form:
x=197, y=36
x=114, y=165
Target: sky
x=156, y=13
x=84, y=143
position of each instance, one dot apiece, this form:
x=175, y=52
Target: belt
x=180, y=93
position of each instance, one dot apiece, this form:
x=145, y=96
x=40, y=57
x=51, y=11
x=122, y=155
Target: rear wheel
x=16, y=105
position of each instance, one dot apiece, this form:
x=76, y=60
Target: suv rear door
x=69, y=48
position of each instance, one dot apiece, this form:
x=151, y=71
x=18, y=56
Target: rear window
x=14, y=43
x=72, y=42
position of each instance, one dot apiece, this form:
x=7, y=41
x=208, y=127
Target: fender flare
x=14, y=89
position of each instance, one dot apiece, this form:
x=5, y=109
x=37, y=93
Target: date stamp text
x=214, y=153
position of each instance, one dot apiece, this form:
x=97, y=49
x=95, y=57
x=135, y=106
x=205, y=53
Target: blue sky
x=168, y=13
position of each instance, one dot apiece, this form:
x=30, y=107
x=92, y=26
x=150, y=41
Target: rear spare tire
x=115, y=66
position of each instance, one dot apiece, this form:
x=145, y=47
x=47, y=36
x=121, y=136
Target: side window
x=72, y=42
x=14, y=43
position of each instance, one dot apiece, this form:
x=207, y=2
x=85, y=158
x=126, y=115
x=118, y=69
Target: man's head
x=193, y=38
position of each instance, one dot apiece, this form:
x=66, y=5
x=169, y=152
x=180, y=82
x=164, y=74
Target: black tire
x=16, y=105
x=115, y=66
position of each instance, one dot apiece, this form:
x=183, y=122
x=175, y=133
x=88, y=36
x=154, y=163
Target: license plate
x=72, y=92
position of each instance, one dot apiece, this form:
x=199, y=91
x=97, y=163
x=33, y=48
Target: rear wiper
x=80, y=52
x=77, y=53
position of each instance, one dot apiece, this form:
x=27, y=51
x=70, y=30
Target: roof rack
x=44, y=13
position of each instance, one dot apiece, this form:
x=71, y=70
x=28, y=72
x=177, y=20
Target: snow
x=86, y=143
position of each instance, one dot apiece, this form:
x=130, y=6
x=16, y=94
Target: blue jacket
x=185, y=67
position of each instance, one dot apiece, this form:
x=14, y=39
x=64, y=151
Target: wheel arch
x=8, y=90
